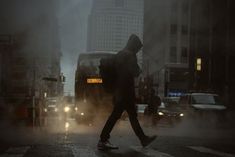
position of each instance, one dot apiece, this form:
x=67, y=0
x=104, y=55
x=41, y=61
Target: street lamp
x=45, y=94
x=199, y=64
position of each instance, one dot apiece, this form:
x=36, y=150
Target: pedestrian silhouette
x=154, y=101
x=124, y=94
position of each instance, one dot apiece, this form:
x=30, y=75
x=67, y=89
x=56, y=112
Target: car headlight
x=67, y=125
x=45, y=109
x=160, y=113
x=84, y=100
x=66, y=109
x=181, y=115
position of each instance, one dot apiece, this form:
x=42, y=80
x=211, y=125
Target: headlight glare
x=67, y=125
x=160, y=113
x=66, y=109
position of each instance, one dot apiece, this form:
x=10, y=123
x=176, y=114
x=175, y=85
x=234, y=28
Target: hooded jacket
x=127, y=70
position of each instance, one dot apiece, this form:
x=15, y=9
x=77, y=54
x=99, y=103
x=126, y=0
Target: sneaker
x=148, y=140
x=105, y=145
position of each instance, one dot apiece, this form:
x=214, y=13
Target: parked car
x=203, y=107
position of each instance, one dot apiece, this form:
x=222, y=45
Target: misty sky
x=73, y=30
x=17, y=16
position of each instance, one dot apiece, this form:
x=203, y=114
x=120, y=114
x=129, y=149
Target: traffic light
x=53, y=79
x=50, y=79
x=199, y=64
x=62, y=78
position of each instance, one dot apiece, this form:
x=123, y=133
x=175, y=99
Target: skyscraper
x=212, y=38
x=166, y=42
x=111, y=22
x=33, y=49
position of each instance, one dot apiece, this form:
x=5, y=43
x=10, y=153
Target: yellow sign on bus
x=94, y=80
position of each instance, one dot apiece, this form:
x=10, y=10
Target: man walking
x=124, y=94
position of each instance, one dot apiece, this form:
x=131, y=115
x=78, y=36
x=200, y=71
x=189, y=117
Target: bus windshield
x=89, y=63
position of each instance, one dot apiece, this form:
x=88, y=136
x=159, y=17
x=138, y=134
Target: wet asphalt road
x=183, y=140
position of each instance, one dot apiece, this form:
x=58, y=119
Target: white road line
x=150, y=152
x=82, y=151
x=211, y=151
x=15, y=152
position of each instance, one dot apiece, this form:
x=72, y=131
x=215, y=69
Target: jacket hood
x=134, y=44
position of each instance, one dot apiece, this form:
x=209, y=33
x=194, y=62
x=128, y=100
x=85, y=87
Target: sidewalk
x=230, y=116
x=24, y=135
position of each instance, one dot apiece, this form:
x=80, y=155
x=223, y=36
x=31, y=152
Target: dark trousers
x=115, y=115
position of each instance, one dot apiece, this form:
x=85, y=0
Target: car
x=169, y=111
x=203, y=107
x=52, y=106
x=69, y=108
x=141, y=110
x=170, y=99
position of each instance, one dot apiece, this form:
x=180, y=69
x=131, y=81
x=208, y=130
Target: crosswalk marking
x=211, y=151
x=82, y=151
x=150, y=152
x=86, y=151
x=15, y=152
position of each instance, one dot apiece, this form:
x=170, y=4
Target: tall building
x=31, y=51
x=166, y=43
x=5, y=41
x=45, y=54
x=187, y=30
x=73, y=17
x=111, y=22
x=212, y=38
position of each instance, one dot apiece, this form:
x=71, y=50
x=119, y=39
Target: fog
x=28, y=18
x=44, y=26
x=55, y=131
x=73, y=29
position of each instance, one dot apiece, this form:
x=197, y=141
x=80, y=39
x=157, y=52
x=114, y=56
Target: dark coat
x=127, y=70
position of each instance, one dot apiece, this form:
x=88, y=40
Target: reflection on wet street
x=70, y=138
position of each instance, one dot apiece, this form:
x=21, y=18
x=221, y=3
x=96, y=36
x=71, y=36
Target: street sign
x=50, y=79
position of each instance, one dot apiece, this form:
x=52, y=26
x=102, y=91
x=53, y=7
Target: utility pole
x=196, y=75
x=210, y=42
x=226, y=90
x=33, y=90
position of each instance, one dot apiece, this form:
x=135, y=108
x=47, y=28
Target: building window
x=20, y=89
x=173, y=55
x=18, y=75
x=185, y=7
x=119, y=20
x=174, y=7
x=119, y=3
x=184, y=30
x=184, y=55
x=173, y=29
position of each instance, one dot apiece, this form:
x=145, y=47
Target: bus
x=91, y=101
